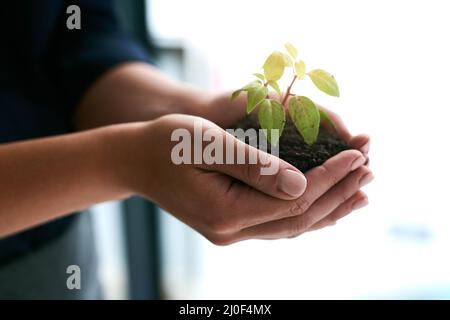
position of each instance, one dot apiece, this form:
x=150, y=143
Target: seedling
x=304, y=113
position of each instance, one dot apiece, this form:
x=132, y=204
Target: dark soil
x=295, y=151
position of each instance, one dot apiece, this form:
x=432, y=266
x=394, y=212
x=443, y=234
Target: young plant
x=304, y=113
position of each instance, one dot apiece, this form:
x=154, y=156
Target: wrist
x=118, y=158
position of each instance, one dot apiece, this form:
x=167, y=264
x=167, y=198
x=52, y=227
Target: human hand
x=359, y=142
x=232, y=202
x=226, y=112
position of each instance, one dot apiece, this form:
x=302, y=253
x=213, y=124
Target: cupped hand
x=232, y=202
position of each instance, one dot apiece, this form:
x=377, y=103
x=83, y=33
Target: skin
x=123, y=148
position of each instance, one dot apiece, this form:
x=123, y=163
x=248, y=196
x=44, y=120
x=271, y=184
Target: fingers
x=336, y=196
x=361, y=143
x=316, y=202
x=339, y=125
x=322, y=178
x=357, y=201
x=260, y=170
x=248, y=207
x=294, y=226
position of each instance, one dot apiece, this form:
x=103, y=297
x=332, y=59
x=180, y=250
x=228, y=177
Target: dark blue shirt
x=44, y=70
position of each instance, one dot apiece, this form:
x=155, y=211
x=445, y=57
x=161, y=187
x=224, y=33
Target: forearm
x=137, y=92
x=47, y=178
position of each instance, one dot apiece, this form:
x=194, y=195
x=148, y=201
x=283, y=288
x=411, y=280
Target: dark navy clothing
x=44, y=70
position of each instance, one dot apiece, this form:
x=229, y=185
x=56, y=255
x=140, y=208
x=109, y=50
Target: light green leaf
x=260, y=76
x=275, y=87
x=306, y=117
x=253, y=84
x=325, y=82
x=274, y=66
x=300, y=69
x=287, y=60
x=292, y=50
x=325, y=118
x=255, y=96
x=271, y=117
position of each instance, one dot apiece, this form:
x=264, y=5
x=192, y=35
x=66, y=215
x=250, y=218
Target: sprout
x=304, y=113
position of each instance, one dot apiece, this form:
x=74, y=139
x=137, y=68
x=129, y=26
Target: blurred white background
x=391, y=60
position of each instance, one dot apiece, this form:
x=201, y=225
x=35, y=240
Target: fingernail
x=366, y=179
x=291, y=182
x=365, y=148
x=360, y=204
x=358, y=162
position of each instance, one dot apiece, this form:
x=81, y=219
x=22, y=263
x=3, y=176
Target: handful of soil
x=298, y=153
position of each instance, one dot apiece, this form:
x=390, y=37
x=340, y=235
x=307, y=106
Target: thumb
x=258, y=169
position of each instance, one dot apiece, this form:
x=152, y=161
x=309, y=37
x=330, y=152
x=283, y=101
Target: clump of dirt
x=294, y=150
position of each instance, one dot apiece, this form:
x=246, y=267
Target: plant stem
x=288, y=92
x=265, y=85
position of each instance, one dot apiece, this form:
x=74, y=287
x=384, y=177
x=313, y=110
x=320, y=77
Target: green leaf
x=274, y=66
x=325, y=82
x=253, y=84
x=275, y=87
x=287, y=60
x=271, y=116
x=260, y=76
x=292, y=50
x=326, y=118
x=306, y=117
x=300, y=69
x=255, y=96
